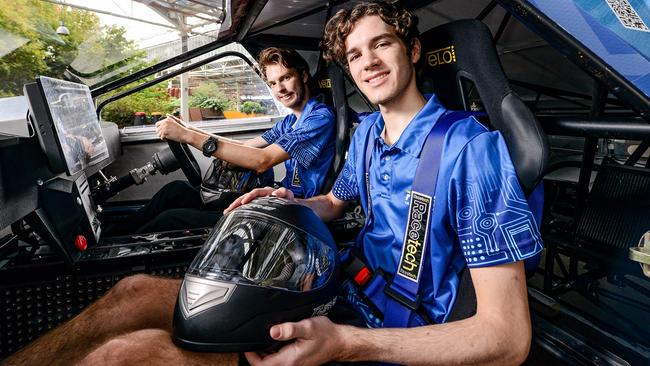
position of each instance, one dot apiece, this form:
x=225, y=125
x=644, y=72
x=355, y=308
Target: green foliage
x=89, y=49
x=252, y=107
x=218, y=104
x=175, y=102
x=208, y=95
x=152, y=99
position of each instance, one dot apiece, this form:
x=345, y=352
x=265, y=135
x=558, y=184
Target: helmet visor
x=253, y=248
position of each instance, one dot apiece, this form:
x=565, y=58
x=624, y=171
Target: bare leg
x=134, y=303
x=152, y=347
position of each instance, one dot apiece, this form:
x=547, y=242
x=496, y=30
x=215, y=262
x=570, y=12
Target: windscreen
x=252, y=248
x=73, y=115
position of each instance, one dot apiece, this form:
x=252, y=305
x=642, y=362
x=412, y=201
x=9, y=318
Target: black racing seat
x=459, y=63
x=459, y=59
x=331, y=90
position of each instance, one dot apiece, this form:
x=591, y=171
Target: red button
x=81, y=243
x=363, y=276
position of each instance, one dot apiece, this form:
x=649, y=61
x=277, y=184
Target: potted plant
x=210, y=101
x=252, y=108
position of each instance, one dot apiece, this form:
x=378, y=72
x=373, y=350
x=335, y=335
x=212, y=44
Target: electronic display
x=78, y=131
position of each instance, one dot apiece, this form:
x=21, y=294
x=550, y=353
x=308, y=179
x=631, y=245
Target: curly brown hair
x=338, y=28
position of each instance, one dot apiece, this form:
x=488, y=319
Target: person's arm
x=254, y=142
x=243, y=155
x=498, y=334
x=327, y=207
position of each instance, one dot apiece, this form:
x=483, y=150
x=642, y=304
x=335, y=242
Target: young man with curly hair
x=469, y=225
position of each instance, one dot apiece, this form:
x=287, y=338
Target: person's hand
x=317, y=341
x=169, y=129
x=259, y=192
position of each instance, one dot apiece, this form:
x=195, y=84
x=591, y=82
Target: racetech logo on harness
x=295, y=181
x=410, y=264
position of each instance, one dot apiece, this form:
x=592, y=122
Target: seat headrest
x=462, y=51
x=323, y=86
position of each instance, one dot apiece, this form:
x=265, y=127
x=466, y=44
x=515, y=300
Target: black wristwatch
x=209, y=146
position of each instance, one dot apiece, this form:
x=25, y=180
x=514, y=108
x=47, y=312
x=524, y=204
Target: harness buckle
x=401, y=298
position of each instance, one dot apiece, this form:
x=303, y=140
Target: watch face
x=209, y=146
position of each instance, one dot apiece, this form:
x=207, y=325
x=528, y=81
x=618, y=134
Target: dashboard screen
x=77, y=127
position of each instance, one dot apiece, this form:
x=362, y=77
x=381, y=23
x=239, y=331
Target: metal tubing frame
x=613, y=127
x=250, y=18
x=502, y=26
x=487, y=10
x=591, y=144
x=171, y=75
x=161, y=66
x=554, y=92
x=257, y=7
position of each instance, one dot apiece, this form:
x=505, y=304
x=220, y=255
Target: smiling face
x=380, y=63
x=288, y=86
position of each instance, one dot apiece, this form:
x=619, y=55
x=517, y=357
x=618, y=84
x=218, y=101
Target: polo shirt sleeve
x=309, y=137
x=345, y=187
x=276, y=131
x=488, y=208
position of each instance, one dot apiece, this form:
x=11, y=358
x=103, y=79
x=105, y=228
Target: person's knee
x=145, y=301
x=142, y=292
x=134, y=286
x=177, y=189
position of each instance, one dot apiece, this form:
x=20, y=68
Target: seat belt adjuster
x=404, y=300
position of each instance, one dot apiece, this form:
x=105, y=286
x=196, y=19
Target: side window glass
x=225, y=89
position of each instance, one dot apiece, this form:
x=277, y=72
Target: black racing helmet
x=267, y=262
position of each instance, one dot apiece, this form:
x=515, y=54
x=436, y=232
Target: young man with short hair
x=303, y=140
x=477, y=202
x=137, y=311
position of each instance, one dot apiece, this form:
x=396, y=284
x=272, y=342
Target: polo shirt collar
x=306, y=110
x=412, y=139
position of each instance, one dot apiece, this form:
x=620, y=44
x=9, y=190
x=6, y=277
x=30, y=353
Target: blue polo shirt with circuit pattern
x=309, y=141
x=481, y=216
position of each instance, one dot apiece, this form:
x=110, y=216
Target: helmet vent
x=199, y=294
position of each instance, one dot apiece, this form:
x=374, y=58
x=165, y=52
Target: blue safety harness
x=397, y=297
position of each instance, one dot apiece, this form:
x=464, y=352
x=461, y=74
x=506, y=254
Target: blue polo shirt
x=481, y=216
x=309, y=141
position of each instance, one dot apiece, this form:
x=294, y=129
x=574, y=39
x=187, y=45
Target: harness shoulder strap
x=403, y=297
x=400, y=295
